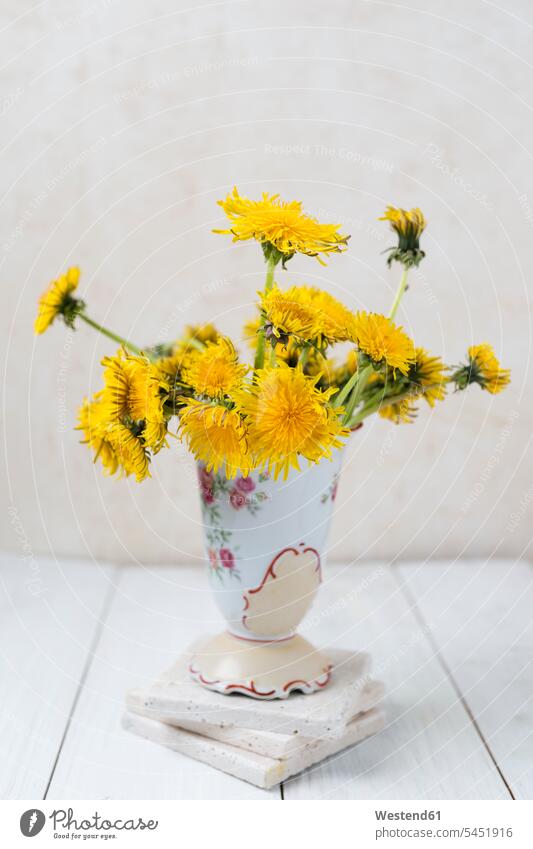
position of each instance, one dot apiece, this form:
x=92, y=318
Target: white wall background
x=123, y=122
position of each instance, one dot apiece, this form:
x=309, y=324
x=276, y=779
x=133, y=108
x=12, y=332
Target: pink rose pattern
x=238, y=491
x=226, y=558
x=241, y=494
x=206, y=481
x=245, y=484
x=237, y=499
x=238, y=495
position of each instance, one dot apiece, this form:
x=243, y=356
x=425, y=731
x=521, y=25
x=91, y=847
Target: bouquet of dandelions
x=295, y=401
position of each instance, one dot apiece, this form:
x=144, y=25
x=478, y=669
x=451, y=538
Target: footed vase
x=266, y=542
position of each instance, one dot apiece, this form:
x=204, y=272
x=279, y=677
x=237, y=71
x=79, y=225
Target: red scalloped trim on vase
x=265, y=694
x=318, y=682
x=199, y=677
x=251, y=690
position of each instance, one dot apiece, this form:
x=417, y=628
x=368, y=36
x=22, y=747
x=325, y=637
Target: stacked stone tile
x=263, y=742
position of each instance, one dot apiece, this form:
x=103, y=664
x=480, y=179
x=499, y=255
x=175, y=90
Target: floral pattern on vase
x=331, y=494
x=216, y=493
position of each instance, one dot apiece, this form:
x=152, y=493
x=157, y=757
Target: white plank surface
x=429, y=748
x=156, y=613
x=49, y=615
x=481, y=617
x=453, y=643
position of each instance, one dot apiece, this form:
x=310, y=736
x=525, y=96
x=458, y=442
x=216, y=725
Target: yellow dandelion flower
x=202, y=332
x=288, y=416
x=428, y=374
x=376, y=378
x=484, y=368
x=250, y=330
x=214, y=372
x=282, y=225
x=130, y=451
x=287, y=314
x=383, y=341
x=402, y=412
x=135, y=393
x=216, y=436
x=333, y=321
x=174, y=359
x=351, y=362
x=171, y=366
x=409, y=225
x=307, y=313
x=93, y=425
x=58, y=300
x=324, y=436
x=171, y=358
x=324, y=369
x=288, y=352
x=114, y=444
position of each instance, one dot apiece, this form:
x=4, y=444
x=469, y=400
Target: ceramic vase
x=266, y=543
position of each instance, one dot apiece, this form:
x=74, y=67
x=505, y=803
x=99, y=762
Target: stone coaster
x=268, y=742
x=249, y=766
x=176, y=699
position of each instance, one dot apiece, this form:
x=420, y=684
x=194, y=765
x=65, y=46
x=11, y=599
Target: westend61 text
x=407, y=815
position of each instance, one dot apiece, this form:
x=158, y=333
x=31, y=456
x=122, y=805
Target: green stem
x=269, y=282
x=346, y=389
x=367, y=410
x=260, y=351
x=361, y=416
x=382, y=400
x=356, y=394
x=304, y=356
x=272, y=358
x=114, y=336
x=399, y=293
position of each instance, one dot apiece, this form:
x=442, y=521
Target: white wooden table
x=453, y=641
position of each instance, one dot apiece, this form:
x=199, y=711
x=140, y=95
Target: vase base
x=261, y=670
